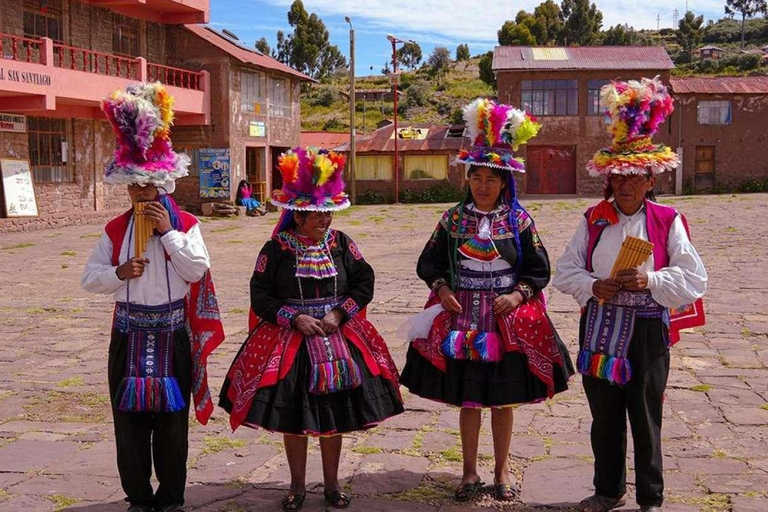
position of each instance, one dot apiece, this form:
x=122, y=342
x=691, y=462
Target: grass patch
x=216, y=444
x=708, y=503
x=61, y=502
x=4, y=495
x=701, y=388
x=92, y=235
x=425, y=493
x=366, y=450
x=71, y=381
x=764, y=407
x=17, y=246
x=731, y=230
x=64, y=265
x=69, y=407
x=719, y=454
x=224, y=230
x=452, y=454
x=238, y=311
x=355, y=223
x=69, y=253
x=234, y=241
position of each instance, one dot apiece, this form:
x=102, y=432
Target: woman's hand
x=632, y=279
x=159, y=216
x=506, y=303
x=448, y=299
x=331, y=321
x=605, y=289
x=308, y=325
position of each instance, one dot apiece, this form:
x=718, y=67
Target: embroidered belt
x=316, y=308
x=500, y=281
x=150, y=318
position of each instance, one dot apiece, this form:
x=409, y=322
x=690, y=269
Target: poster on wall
x=257, y=129
x=16, y=123
x=18, y=188
x=214, y=173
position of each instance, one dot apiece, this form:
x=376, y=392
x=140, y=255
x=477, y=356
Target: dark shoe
x=337, y=498
x=505, y=492
x=597, y=503
x=650, y=508
x=468, y=491
x=173, y=507
x=293, y=502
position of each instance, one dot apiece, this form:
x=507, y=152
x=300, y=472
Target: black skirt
x=486, y=384
x=289, y=408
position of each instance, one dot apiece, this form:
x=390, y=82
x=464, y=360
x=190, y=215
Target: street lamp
x=352, y=170
x=395, y=78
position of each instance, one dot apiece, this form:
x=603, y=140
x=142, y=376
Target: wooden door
x=704, y=172
x=551, y=170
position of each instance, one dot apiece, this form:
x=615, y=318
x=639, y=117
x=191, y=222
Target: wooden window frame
x=593, y=93
x=406, y=171
x=36, y=12
x=280, y=108
x=708, y=106
x=560, y=93
x=122, y=29
x=252, y=98
x=45, y=136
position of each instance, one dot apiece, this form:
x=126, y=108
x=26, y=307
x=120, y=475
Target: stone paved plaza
x=56, y=447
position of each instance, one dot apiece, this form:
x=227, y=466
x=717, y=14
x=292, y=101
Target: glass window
x=550, y=97
x=373, y=168
x=594, y=106
x=428, y=167
x=193, y=154
x=43, y=18
x=48, y=148
x=279, y=97
x=714, y=112
x=251, y=92
x=125, y=35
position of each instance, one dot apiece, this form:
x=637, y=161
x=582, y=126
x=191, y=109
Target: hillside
x=426, y=98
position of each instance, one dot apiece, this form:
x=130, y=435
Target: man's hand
x=632, y=279
x=132, y=268
x=159, y=216
x=605, y=289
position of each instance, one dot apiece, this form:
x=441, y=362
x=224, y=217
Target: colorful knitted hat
x=636, y=109
x=141, y=117
x=496, y=131
x=312, y=180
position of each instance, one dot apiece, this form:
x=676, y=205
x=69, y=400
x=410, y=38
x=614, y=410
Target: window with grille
x=194, y=156
x=551, y=97
x=125, y=35
x=714, y=112
x=251, y=92
x=427, y=167
x=43, y=18
x=594, y=105
x=48, y=148
x=279, y=97
x=373, y=168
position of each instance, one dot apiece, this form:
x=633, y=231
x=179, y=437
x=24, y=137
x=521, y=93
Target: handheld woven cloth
x=497, y=131
x=141, y=117
x=635, y=110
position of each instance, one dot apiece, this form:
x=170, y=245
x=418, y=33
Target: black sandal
x=337, y=498
x=505, y=492
x=468, y=491
x=293, y=502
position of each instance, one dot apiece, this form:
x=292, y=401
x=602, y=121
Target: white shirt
x=189, y=261
x=682, y=282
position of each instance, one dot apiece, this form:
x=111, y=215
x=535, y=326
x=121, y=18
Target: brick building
x=720, y=124
x=561, y=87
x=58, y=59
x=255, y=111
x=426, y=155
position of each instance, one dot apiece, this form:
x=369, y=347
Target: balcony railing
x=24, y=49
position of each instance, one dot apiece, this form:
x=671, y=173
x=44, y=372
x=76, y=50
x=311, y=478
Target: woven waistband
x=316, y=308
x=150, y=318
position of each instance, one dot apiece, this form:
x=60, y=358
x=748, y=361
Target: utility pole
x=352, y=153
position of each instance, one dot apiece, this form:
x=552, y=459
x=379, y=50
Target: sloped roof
x=323, y=140
x=382, y=141
x=720, y=85
x=509, y=58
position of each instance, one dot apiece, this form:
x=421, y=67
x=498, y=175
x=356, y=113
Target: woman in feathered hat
x=312, y=365
x=484, y=339
x=630, y=319
x=166, y=319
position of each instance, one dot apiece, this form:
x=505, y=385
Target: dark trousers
x=641, y=399
x=143, y=437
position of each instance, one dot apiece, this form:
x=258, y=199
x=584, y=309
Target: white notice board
x=18, y=187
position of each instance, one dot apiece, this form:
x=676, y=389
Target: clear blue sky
x=429, y=22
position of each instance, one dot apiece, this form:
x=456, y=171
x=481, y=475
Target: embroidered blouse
x=274, y=283
x=456, y=227
x=188, y=262
x=682, y=282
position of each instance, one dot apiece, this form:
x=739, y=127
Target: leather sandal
x=293, y=502
x=468, y=491
x=337, y=498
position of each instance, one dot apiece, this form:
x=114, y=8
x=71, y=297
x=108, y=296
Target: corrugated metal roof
x=381, y=140
x=720, y=85
x=581, y=57
x=710, y=47
x=242, y=53
x=323, y=140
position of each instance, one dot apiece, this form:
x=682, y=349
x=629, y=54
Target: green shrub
x=326, y=96
x=372, y=197
x=753, y=185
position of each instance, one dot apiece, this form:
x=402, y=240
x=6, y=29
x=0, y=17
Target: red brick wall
x=586, y=133
x=739, y=146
